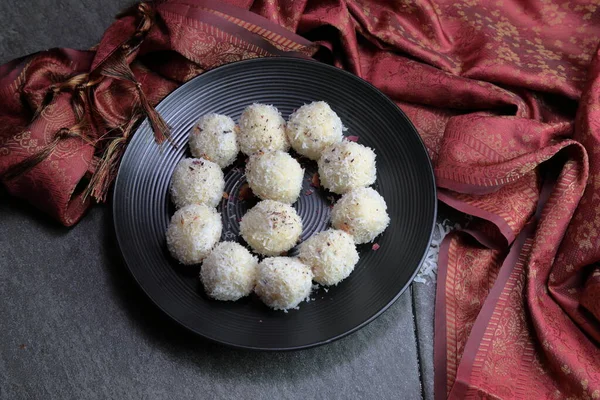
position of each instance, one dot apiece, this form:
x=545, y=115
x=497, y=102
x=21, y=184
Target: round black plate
x=142, y=208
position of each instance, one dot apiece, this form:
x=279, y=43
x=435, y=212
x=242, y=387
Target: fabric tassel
x=52, y=92
x=117, y=68
x=107, y=168
x=161, y=130
x=30, y=162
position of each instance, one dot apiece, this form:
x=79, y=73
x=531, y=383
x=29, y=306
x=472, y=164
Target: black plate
x=142, y=208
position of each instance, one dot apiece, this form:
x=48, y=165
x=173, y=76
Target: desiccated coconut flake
x=428, y=271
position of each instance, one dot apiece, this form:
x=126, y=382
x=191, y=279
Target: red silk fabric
x=506, y=95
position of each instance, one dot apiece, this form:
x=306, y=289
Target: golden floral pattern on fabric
x=510, y=206
x=213, y=47
x=24, y=141
x=543, y=52
x=4, y=150
x=473, y=142
x=466, y=297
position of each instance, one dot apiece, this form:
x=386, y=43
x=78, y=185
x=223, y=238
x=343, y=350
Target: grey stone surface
x=33, y=25
x=73, y=324
x=423, y=306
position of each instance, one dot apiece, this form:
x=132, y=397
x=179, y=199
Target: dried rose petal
x=345, y=227
x=315, y=180
x=353, y=138
x=375, y=247
x=245, y=192
x=308, y=192
x=225, y=195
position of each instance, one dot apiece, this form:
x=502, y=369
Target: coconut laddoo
x=214, y=138
x=271, y=227
x=347, y=165
x=274, y=175
x=283, y=282
x=262, y=128
x=312, y=128
x=197, y=181
x=331, y=254
x=193, y=232
x=229, y=272
x=362, y=213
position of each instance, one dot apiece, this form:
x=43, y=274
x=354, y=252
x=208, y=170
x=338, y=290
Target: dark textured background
x=73, y=325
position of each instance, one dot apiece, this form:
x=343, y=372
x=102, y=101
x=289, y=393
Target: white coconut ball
x=193, y=232
x=331, y=255
x=314, y=127
x=197, y=181
x=214, y=138
x=283, y=282
x=362, y=213
x=347, y=165
x=275, y=175
x=271, y=227
x=229, y=272
x=262, y=128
